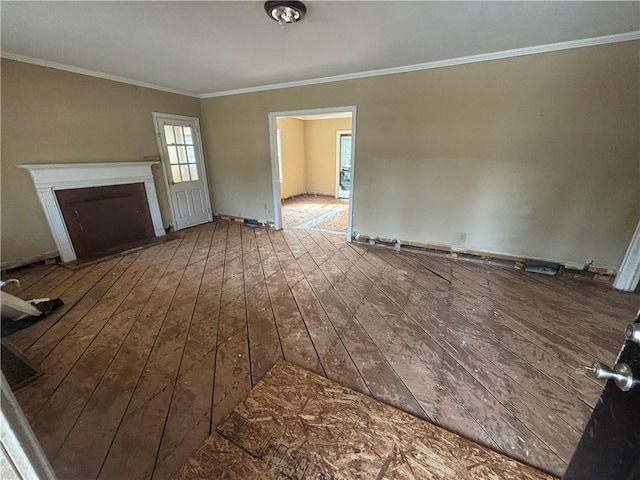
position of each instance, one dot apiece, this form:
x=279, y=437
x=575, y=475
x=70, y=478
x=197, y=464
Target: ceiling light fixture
x=285, y=12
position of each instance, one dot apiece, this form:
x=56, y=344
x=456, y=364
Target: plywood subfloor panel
x=296, y=424
x=153, y=349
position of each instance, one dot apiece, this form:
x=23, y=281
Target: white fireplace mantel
x=48, y=178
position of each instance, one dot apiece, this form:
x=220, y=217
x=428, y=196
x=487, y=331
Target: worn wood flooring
x=298, y=425
x=154, y=348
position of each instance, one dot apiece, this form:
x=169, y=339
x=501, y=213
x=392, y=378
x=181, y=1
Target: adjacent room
x=314, y=170
x=320, y=240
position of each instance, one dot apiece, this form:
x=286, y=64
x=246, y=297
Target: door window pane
x=194, y=172
x=191, y=155
x=345, y=151
x=173, y=156
x=182, y=155
x=188, y=139
x=184, y=170
x=183, y=165
x=175, y=174
x=179, y=135
x=168, y=132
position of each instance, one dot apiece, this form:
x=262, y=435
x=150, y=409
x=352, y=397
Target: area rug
x=297, y=425
x=334, y=221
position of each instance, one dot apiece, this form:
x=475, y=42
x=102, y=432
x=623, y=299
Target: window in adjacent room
x=279, y=146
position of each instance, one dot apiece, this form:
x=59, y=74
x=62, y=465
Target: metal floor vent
x=537, y=266
x=16, y=368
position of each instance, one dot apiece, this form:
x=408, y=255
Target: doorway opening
x=313, y=163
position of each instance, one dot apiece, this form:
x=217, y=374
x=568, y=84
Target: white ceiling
x=207, y=47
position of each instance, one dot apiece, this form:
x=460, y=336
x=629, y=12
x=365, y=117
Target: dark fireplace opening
x=102, y=220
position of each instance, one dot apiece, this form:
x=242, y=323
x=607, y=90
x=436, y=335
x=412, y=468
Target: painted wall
x=309, y=155
x=320, y=153
x=52, y=116
x=293, y=157
x=536, y=156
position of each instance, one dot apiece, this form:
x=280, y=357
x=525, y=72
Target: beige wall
x=309, y=155
x=52, y=116
x=293, y=157
x=320, y=153
x=535, y=156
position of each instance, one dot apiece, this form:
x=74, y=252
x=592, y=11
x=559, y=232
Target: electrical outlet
x=461, y=237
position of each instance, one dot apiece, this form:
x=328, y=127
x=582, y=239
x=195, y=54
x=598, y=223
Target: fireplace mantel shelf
x=44, y=166
x=48, y=178
x=78, y=175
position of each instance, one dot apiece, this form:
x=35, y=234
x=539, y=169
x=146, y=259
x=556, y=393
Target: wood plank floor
x=152, y=349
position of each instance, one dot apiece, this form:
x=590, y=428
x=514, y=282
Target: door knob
x=621, y=374
x=632, y=332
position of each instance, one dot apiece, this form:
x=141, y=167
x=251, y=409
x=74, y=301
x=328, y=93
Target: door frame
x=339, y=133
x=18, y=442
x=164, y=160
x=629, y=272
x=275, y=172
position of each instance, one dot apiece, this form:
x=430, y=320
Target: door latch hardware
x=632, y=332
x=621, y=374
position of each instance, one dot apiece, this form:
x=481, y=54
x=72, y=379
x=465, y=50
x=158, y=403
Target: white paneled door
x=180, y=143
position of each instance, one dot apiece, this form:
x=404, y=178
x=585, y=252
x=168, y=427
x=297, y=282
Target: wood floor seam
x=75, y=362
x=506, y=347
x=139, y=377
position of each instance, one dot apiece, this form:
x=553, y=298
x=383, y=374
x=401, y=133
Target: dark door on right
x=610, y=445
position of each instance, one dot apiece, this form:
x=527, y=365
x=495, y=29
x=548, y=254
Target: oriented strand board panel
x=297, y=425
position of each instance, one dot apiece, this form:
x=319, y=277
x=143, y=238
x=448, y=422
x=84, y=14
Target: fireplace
x=101, y=219
x=94, y=208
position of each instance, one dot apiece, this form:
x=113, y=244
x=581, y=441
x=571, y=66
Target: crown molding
x=92, y=73
x=484, y=57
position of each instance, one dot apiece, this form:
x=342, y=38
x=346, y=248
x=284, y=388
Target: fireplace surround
x=51, y=178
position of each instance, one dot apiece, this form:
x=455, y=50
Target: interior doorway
x=313, y=165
